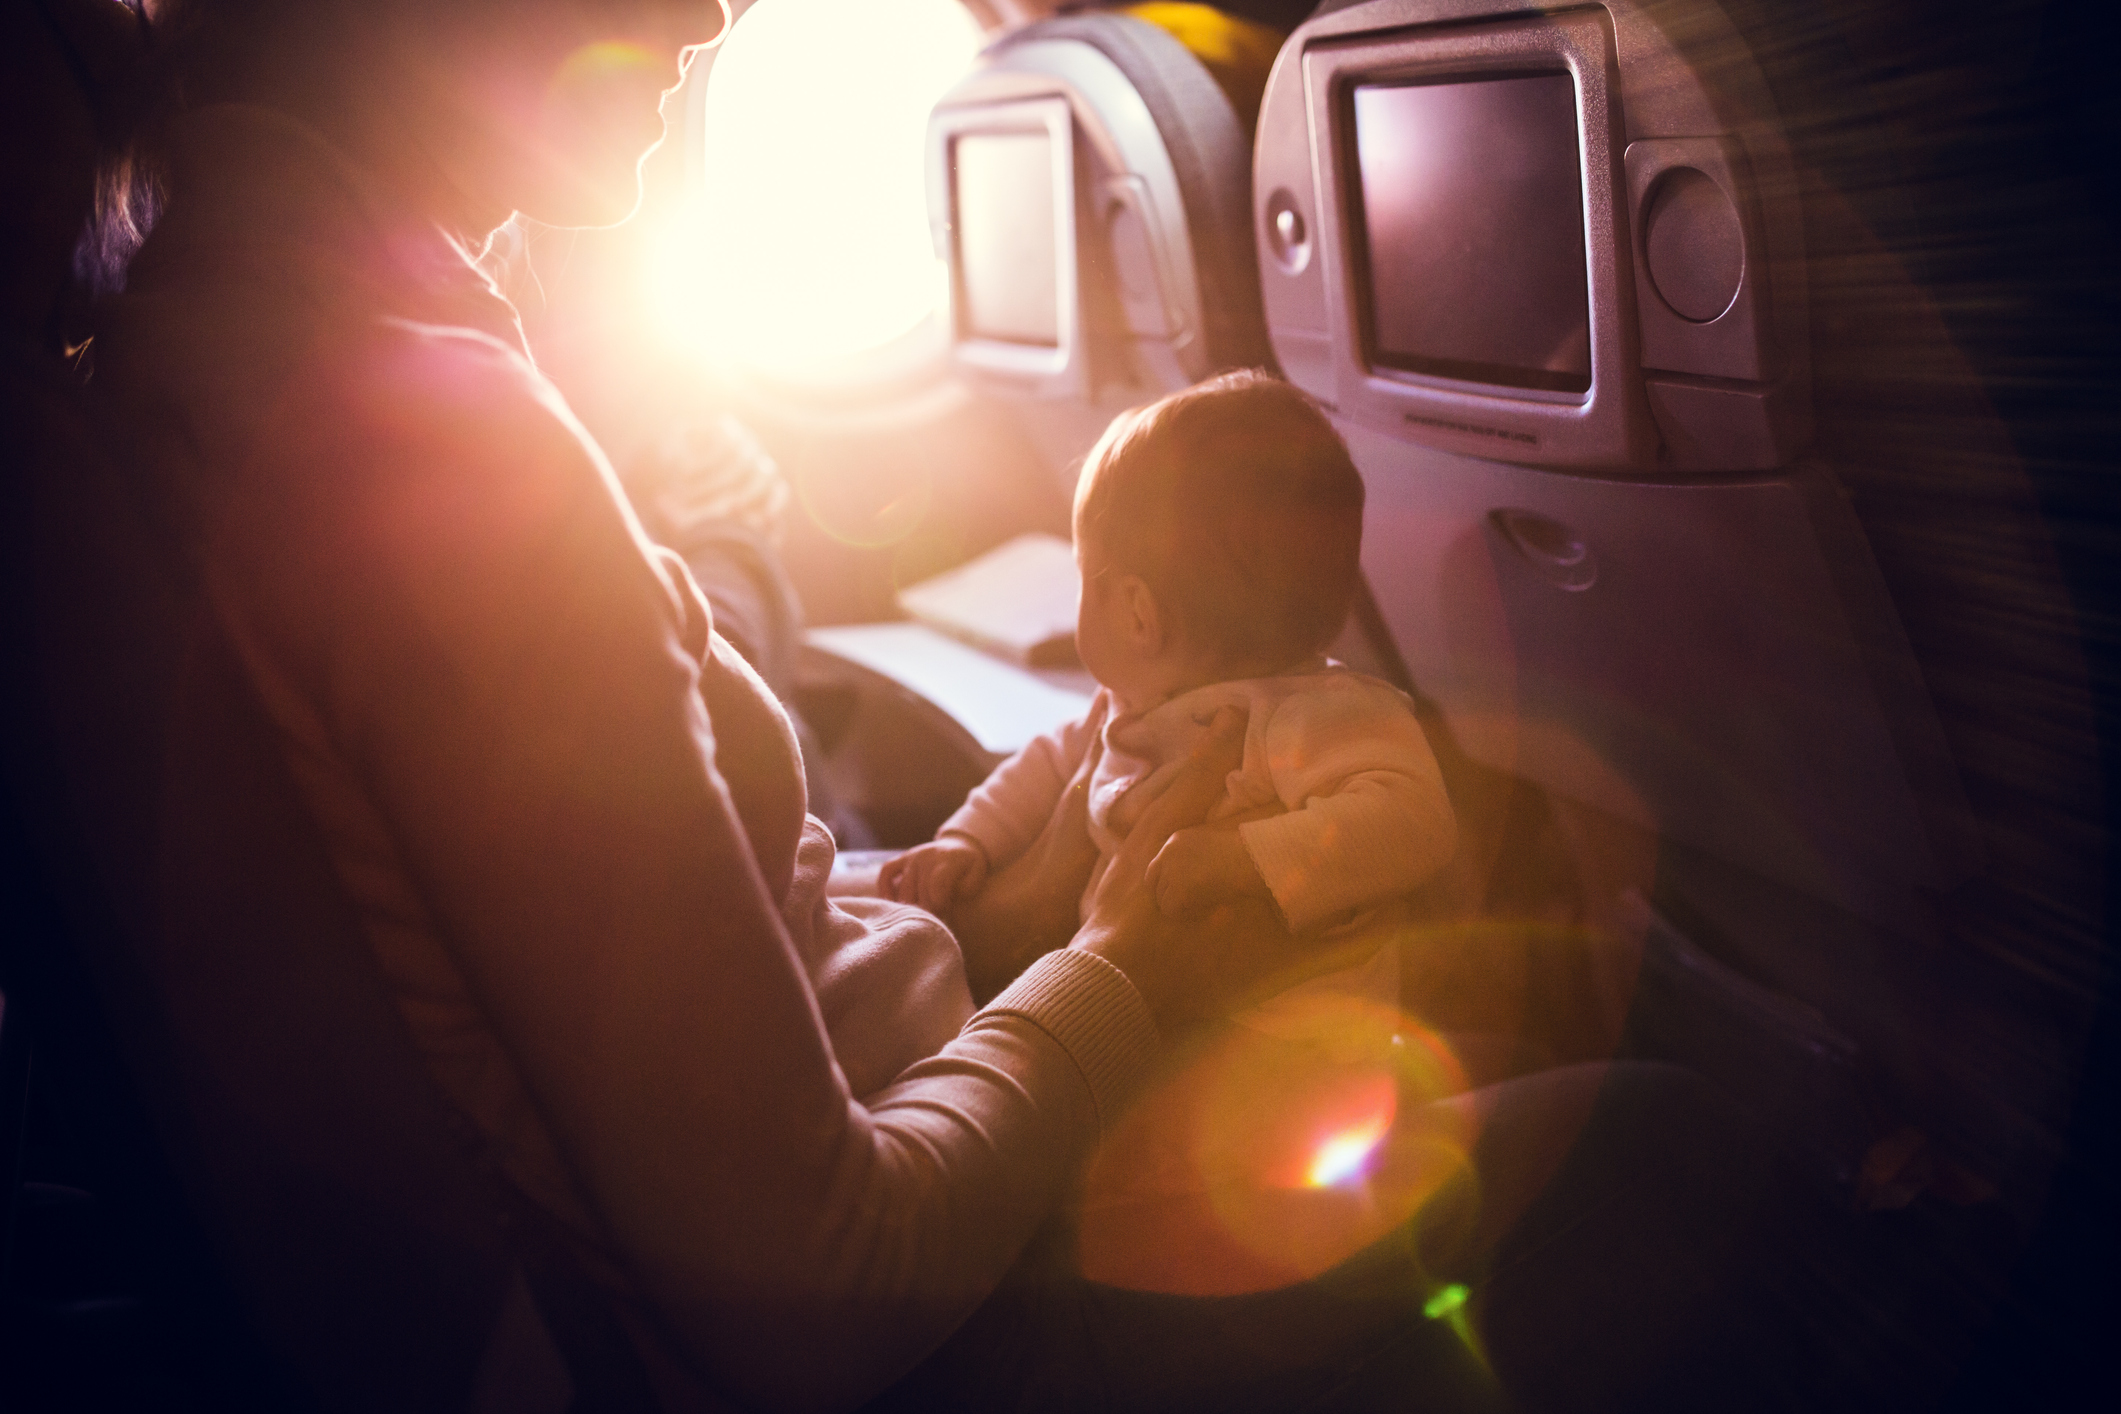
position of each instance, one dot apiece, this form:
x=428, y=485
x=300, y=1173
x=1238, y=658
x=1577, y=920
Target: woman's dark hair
x=129, y=186
x=1238, y=504
x=72, y=74
x=196, y=52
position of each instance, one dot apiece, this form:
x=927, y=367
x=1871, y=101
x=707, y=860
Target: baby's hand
x=936, y=874
x=1201, y=867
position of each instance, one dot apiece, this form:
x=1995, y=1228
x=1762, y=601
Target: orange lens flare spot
x=1259, y=1160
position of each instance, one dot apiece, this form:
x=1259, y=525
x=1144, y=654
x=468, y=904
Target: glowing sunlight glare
x=814, y=243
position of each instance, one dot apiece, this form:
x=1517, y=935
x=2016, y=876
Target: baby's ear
x=1145, y=621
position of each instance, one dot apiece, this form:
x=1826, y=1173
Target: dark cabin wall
x=1960, y=234
x=1962, y=224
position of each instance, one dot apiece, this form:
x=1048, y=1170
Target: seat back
x=1547, y=272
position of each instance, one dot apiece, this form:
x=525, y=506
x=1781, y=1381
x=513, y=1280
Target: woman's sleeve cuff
x=1088, y=1006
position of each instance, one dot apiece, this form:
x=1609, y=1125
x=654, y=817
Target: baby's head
x=1218, y=531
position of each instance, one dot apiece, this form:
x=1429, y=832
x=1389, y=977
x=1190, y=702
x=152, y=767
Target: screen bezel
x=1049, y=370
x=1609, y=425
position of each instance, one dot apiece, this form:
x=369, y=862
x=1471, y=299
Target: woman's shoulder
x=444, y=438
x=395, y=448
x=287, y=307
x=294, y=370
x=407, y=379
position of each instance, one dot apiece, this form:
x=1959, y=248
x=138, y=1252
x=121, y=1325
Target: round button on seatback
x=1288, y=237
x=1694, y=245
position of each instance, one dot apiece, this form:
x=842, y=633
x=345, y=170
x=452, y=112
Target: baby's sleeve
x=1005, y=813
x=1367, y=817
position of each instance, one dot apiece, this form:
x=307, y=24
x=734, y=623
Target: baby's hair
x=1237, y=503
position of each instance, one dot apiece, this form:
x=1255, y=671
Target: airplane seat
x=1088, y=186
x=1547, y=273
x=303, y=1220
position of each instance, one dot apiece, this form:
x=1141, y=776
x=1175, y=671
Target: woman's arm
x=446, y=569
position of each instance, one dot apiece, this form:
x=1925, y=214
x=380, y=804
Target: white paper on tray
x=1000, y=704
x=1018, y=599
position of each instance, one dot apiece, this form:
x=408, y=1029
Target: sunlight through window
x=814, y=242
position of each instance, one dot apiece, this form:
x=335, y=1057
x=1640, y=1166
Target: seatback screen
x=1007, y=263
x=1471, y=238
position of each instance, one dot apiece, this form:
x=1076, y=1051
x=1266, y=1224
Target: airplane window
x=814, y=246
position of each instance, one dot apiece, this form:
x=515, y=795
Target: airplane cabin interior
x=1728, y=388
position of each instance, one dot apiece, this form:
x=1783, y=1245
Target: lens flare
x=877, y=511
x=1257, y=1160
x=1446, y=1301
x=1343, y=1156
x=1448, y=1304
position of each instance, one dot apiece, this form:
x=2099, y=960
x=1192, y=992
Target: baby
x=1218, y=533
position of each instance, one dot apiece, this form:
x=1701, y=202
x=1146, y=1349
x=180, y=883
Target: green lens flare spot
x=1445, y=1301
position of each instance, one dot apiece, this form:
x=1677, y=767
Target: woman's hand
x=1201, y=867
x=1208, y=964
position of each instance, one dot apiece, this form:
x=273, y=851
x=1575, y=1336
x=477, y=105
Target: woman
x=571, y=818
